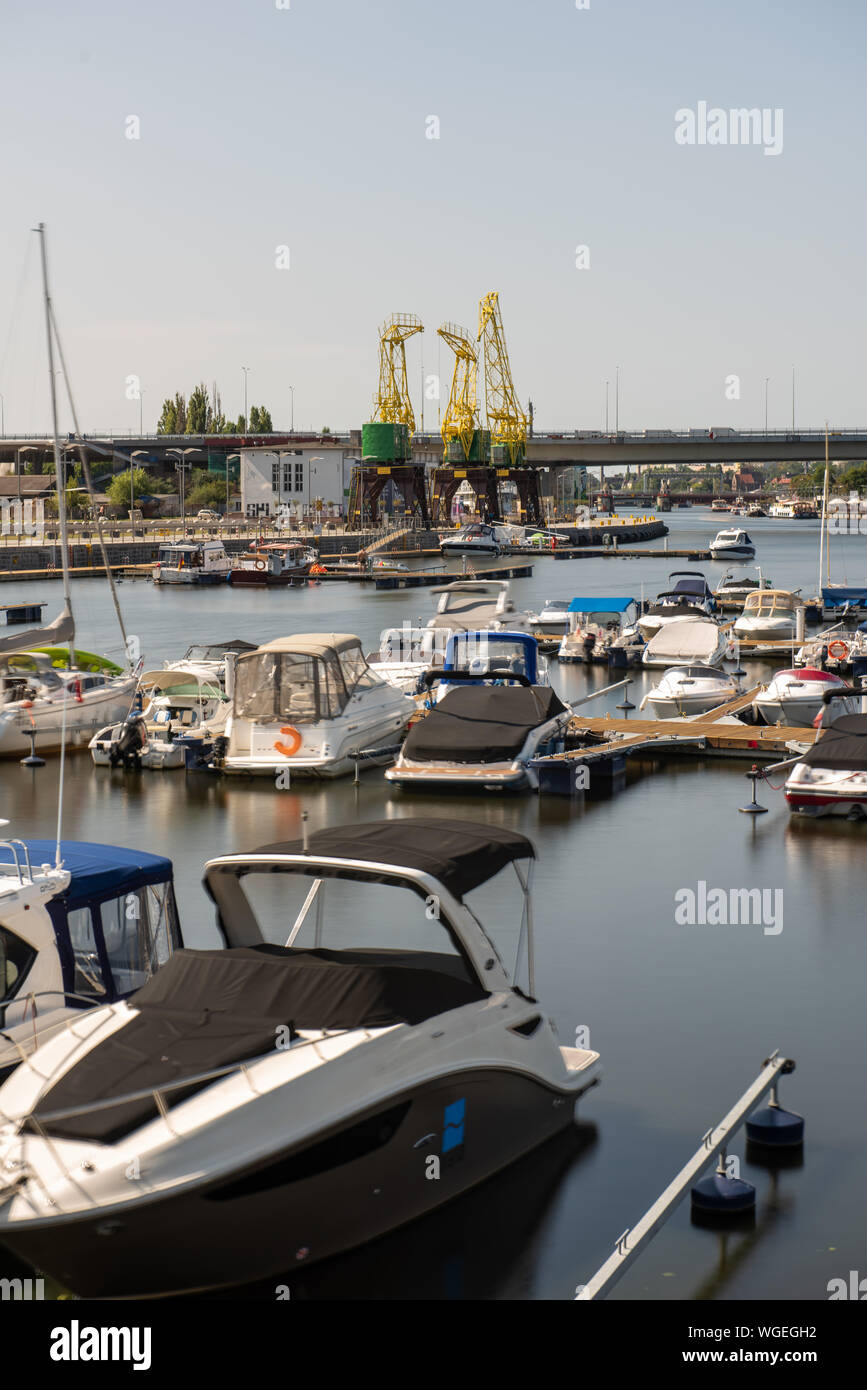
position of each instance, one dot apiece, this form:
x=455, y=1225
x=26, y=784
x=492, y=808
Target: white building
x=298, y=478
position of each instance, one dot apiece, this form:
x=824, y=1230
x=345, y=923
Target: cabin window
x=16, y=957
x=255, y=686
x=332, y=691
x=139, y=930
x=87, y=977
x=356, y=672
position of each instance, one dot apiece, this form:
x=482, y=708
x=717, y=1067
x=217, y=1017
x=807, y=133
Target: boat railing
x=12, y=845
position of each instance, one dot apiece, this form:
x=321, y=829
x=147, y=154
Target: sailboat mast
x=58, y=470
x=824, y=525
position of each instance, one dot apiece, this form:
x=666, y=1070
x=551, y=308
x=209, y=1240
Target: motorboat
x=844, y=600
x=492, y=657
x=687, y=690
x=290, y=1097
x=602, y=630
x=37, y=698
x=176, y=705
x=193, y=562
x=831, y=777
x=405, y=653
x=478, y=538
x=785, y=510
x=755, y=510
x=552, y=621
x=719, y=504
x=469, y=604
x=273, y=564
x=838, y=649
x=734, y=590
x=690, y=597
x=81, y=927
x=769, y=615
x=687, y=642
x=310, y=706
x=733, y=544
x=211, y=661
x=795, y=697
x=493, y=720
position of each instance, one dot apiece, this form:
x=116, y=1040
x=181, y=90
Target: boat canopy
x=484, y=651
x=459, y=854
x=839, y=595
x=215, y=651
x=842, y=746
x=600, y=605
x=478, y=724
x=767, y=601
x=304, y=679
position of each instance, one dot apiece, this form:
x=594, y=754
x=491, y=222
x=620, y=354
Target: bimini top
x=843, y=745
x=312, y=643
x=214, y=651
x=460, y=854
x=98, y=871
x=600, y=605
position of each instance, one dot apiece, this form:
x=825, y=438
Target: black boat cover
x=481, y=724
x=208, y=1009
x=460, y=854
x=842, y=745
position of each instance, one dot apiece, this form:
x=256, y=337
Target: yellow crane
x=460, y=420
x=393, y=404
x=506, y=420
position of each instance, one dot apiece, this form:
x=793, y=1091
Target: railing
x=11, y=844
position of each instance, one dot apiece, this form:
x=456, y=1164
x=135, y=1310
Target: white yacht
x=689, y=597
x=478, y=538
x=309, y=706
x=405, y=653
x=37, y=698
x=290, y=1097
x=831, y=778
x=469, y=604
x=687, y=642
x=732, y=545
x=193, y=562
x=687, y=690
x=795, y=697
x=769, y=615
x=552, y=621
x=176, y=704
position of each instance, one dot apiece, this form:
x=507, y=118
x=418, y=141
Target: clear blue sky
x=306, y=127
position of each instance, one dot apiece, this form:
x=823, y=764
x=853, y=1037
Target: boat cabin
x=472, y=603
x=595, y=614
x=481, y=653
x=770, y=603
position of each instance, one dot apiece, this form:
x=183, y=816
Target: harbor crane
x=386, y=440
x=393, y=404
x=506, y=420
x=461, y=418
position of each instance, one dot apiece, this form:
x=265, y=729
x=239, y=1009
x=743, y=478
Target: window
x=139, y=929
x=356, y=672
x=87, y=977
x=16, y=957
x=287, y=477
x=299, y=476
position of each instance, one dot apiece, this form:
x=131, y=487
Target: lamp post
x=292, y=421
x=617, y=404
x=767, y=379
x=246, y=371
x=140, y=414
x=607, y=384
x=2, y=416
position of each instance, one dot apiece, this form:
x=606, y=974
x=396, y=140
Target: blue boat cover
x=600, y=605
x=839, y=594
x=98, y=871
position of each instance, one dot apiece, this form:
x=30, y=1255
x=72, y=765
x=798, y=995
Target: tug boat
x=831, y=778
x=404, y=1049
x=273, y=565
x=192, y=562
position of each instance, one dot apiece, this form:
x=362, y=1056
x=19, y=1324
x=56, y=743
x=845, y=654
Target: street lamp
x=180, y=467
x=617, y=404
x=767, y=379
x=292, y=422
x=140, y=426
x=246, y=371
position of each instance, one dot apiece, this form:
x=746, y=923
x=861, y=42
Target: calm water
x=683, y=1016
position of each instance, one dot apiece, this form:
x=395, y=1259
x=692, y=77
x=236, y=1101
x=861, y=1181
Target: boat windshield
x=16, y=958
x=296, y=686
x=484, y=651
x=769, y=601
x=412, y=644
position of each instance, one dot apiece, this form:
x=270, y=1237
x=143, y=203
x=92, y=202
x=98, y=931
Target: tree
x=855, y=478
x=173, y=419
x=118, y=488
x=204, y=490
x=265, y=425
x=198, y=410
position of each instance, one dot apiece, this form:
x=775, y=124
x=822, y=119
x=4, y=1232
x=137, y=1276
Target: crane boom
x=460, y=420
x=506, y=420
x=393, y=404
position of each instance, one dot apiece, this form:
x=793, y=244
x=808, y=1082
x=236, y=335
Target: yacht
x=192, y=562
x=687, y=690
x=37, y=698
x=687, y=642
x=719, y=504
x=782, y=509
x=795, y=697
x=755, y=510
x=733, y=590
x=273, y=565
x=176, y=704
x=552, y=621
x=732, y=545
x=470, y=604
x=831, y=778
x=405, y=653
x=81, y=925
x=310, y=706
x=478, y=538
x=290, y=1097
x=492, y=657
x=690, y=597
x=602, y=630
x=769, y=615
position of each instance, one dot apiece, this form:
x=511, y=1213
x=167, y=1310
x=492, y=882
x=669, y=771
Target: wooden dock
x=593, y=552
x=419, y=579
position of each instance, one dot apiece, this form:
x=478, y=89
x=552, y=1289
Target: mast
x=823, y=540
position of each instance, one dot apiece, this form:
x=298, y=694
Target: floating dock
x=419, y=579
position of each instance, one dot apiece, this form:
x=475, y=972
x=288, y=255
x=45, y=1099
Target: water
x=682, y=1015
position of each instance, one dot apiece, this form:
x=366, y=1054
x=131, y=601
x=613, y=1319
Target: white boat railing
x=11, y=844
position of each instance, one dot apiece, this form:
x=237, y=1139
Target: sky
x=307, y=125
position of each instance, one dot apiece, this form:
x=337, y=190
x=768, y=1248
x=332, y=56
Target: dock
x=584, y=552
x=419, y=579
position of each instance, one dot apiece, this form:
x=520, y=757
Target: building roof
x=313, y=643
x=28, y=485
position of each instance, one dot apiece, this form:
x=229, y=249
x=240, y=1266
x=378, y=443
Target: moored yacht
x=831, y=778
x=690, y=597
x=732, y=545
x=192, y=562
x=769, y=615
x=273, y=564
x=478, y=538
x=687, y=690
x=552, y=621
x=796, y=697
x=602, y=630
x=470, y=604
x=687, y=642
x=37, y=698
x=176, y=704
x=290, y=1097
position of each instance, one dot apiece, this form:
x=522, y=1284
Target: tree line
x=203, y=413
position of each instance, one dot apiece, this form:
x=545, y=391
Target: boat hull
x=341, y=1189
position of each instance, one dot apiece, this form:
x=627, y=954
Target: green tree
x=198, y=410
x=265, y=425
x=118, y=489
x=855, y=478
x=205, y=490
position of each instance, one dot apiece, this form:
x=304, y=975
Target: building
x=309, y=480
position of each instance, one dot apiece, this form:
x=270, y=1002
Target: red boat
x=277, y=562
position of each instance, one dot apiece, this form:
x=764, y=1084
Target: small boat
x=719, y=504
x=785, y=510
x=690, y=597
x=405, y=653
x=602, y=630
x=687, y=690
x=795, y=697
x=37, y=697
x=277, y=563
x=193, y=562
x=85, y=929
x=494, y=719
x=470, y=604
x=309, y=706
x=177, y=704
x=733, y=590
x=285, y=1103
x=553, y=619
x=769, y=615
x=687, y=642
x=831, y=778
x=476, y=539
x=732, y=545
x=755, y=510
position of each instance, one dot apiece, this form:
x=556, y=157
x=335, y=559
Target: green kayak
x=85, y=661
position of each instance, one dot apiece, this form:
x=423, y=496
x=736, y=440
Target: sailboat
x=835, y=597
x=41, y=706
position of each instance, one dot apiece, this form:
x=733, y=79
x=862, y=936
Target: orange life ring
x=842, y=649
x=261, y=564
x=296, y=742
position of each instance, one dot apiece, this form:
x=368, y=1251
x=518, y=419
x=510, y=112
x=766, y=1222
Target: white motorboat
x=690, y=597
x=470, y=604
x=277, y=1104
x=193, y=562
x=687, y=690
x=602, y=630
x=734, y=590
x=687, y=642
x=309, y=706
x=831, y=777
x=769, y=615
x=552, y=621
x=83, y=930
x=37, y=698
x=478, y=538
x=732, y=545
x=795, y=697
x=405, y=653
x=175, y=702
